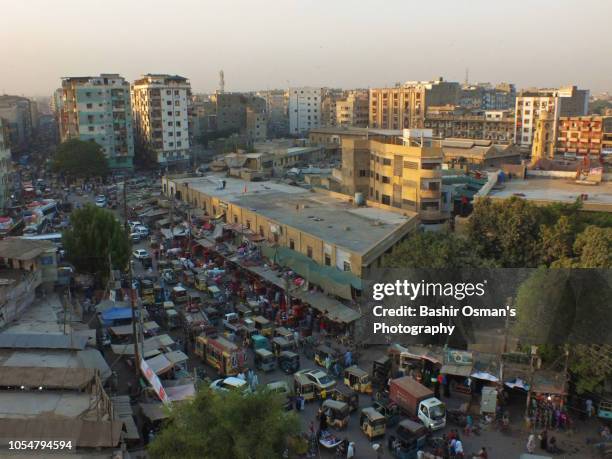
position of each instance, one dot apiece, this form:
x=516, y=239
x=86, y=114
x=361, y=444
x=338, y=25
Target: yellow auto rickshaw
x=373, y=424
x=200, y=282
x=337, y=413
x=358, y=379
x=263, y=325
x=304, y=387
x=321, y=354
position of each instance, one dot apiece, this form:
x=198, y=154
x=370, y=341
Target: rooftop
x=357, y=131
x=23, y=249
x=548, y=190
x=331, y=219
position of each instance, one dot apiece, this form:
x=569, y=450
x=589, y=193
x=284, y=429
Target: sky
x=265, y=44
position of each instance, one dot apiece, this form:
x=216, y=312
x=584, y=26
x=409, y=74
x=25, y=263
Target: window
x=176, y=92
x=386, y=199
x=178, y=143
x=309, y=252
x=178, y=133
x=363, y=173
x=386, y=179
x=248, y=224
x=291, y=244
x=90, y=128
x=168, y=102
x=386, y=161
x=346, y=266
x=168, y=92
x=177, y=113
x=178, y=124
x=327, y=259
x=169, y=113
x=89, y=106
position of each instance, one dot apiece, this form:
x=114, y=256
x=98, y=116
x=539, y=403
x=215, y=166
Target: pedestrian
x=531, y=443
x=544, y=440
x=458, y=449
x=482, y=454
x=296, y=339
x=469, y=425
x=348, y=359
x=589, y=407
x=350, y=451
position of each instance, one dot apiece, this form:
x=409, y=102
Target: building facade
x=277, y=110
x=405, y=106
x=256, y=128
x=5, y=166
x=99, y=109
x=161, y=105
x=485, y=96
x=17, y=114
x=567, y=101
x=353, y=111
x=456, y=122
x=585, y=135
x=329, y=100
x=304, y=110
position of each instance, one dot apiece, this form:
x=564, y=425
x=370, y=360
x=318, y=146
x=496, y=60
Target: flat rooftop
x=357, y=131
x=558, y=190
x=16, y=404
x=331, y=219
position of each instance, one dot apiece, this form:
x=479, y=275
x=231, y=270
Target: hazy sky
x=276, y=43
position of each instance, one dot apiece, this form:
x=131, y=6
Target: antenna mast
x=221, y=82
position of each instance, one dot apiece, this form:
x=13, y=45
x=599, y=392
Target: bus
x=221, y=354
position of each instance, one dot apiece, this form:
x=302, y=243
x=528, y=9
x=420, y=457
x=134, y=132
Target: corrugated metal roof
x=47, y=377
x=42, y=341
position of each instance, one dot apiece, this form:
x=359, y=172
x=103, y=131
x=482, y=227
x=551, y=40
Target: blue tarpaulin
x=111, y=315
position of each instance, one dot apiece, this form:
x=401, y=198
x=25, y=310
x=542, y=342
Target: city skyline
x=337, y=44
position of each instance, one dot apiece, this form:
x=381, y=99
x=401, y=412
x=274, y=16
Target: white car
x=101, y=201
x=321, y=379
x=230, y=383
x=142, y=230
x=139, y=254
x=133, y=224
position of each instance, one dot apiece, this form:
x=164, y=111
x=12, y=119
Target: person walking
x=531, y=443
x=350, y=451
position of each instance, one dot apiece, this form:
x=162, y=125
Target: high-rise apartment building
x=485, y=96
x=231, y=108
x=17, y=114
x=277, y=110
x=256, y=128
x=304, y=109
x=161, y=115
x=98, y=108
x=404, y=106
x=352, y=111
x=530, y=103
x=329, y=100
x=5, y=165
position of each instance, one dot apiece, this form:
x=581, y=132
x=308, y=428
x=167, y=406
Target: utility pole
x=131, y=281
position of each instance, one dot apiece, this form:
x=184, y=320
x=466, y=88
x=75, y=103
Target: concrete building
x=584, y=135
x=202, y=116
x=232, y=108
x=530, y=103
x=5, y=166
x=304, y=110
x=328, y=228
x=485, y=96
x=353, y=111
x=17, y=114
x=472, y=154
x=405, y=106
x=256, y=129
x=161, y=106
x=329, y=100
x=277, y=109
x=457, y=122
x=99, y=109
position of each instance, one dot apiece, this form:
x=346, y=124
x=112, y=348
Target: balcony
x=430, y=173
x=429, y=194
x=431, y=215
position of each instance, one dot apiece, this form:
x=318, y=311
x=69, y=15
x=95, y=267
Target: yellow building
x=329, y=228
x=402, y=172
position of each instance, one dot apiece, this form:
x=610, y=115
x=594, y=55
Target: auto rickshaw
x=243, y=311
x=289, y=362
x=264, y=360
x=284, y=332
x=260, y=342
x=337, y=413
x=188, y=278
x=263, y=325
x=200, y=282
x=372, y=423
x=358, y=379
x=411, y=437
x=214, y=316
x=322, y=352
x=172, y=318
x=304, y=387
x=179, y=295
x=280, y=344
x=389, y=410
x=381, y=371
x=159, y=293
x=147, y=291
x=194, y=300
x=346, y=395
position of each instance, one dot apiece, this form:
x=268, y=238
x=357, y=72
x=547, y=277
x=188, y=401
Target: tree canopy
x=76, y=158
x=215, y=425
x=95, y=234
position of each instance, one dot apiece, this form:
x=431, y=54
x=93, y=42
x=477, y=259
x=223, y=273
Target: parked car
x=142, y=230
x=101, y=201
x=140, y=254
x=135, y=237
x=230, y=383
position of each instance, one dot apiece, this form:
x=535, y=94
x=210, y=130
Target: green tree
x=216, y=425
x=506, y=231
x=556, y=241
x=80, y=159
x=435, y=250
x=94, y=235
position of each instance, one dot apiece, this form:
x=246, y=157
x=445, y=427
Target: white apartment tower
x=530, y=103
x=161, y=105
x=304, y=109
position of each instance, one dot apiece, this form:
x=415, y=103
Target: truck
x=418, y=402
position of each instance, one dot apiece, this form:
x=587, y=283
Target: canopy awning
x=160, y=364
x=333, y=309
x=456, y=370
